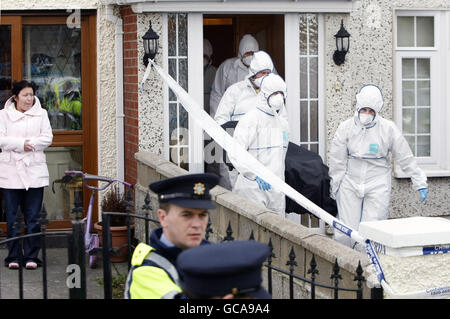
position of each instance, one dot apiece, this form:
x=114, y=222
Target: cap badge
x=199, y=189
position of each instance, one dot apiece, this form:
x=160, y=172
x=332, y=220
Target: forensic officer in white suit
x=360, y=164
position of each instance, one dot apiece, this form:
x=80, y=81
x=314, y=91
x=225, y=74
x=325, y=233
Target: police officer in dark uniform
x=226, y=270
x=183, y=213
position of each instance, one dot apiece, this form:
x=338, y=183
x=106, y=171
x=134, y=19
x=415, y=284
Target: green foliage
x=118, y=285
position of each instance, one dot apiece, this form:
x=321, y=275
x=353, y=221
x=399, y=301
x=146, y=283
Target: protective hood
x=207, y=48
x=270, y=84
x=248, y=43
x=261, y=61
x=370, y=96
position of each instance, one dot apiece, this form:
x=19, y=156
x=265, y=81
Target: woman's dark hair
x=19, y=85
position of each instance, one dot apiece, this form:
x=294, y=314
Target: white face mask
x=247, y=60
x=258, y=81
x=365, y=118
x=276, y=102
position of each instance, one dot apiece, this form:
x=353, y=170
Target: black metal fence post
x=77, y=255
x=359, y=279
x=128, y=204
x=269, y=268
x=43, y=221
x=208, y=230
x=107, y=276
x=146, y=208
x=229, y=231
x=313, y=271
x=336, y=276
x=376, y=293
x=291, y=263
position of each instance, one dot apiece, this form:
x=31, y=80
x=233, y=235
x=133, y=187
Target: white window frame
x=292, y=78
x=438, y=164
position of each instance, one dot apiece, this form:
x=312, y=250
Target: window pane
x=313, y=78
x=182, y=35
x=423, y=68
x=173, y=115
x=303, y=34
x=304, y=121
x=52, y=59
x=303, y=78
x=183, y=73
x=423, y=146
x=314, y=148
x=425, y=31
x=412, y=143
x=408, y=94
x=173, y=73
x=314, y=121
x=423, y=120
x=5, y=64
x=184, y=118
x=313, y=35
x=409, y=121
x=172, y=33
x=423, y=93
x=59, y=205
x=405, y=31
x=408, y=69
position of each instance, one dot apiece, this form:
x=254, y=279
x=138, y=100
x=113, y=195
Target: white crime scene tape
x=226, y=141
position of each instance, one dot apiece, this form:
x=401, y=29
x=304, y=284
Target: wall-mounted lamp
x=342, y=44
x=150, y=40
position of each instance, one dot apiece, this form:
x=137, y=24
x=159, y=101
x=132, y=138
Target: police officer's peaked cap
x=228, y=267
x=191, y=190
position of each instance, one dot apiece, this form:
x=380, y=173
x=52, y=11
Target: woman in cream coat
x=25, y=133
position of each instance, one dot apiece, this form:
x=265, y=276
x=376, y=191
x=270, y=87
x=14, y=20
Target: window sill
x=429, y=171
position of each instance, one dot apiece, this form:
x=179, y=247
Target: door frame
x=87, y=137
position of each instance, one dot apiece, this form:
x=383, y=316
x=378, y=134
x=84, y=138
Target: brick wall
x=130, y=90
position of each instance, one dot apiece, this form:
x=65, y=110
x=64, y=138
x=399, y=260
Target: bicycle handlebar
x=90, y=177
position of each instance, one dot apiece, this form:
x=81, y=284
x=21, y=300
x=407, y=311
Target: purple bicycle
x=91, y=240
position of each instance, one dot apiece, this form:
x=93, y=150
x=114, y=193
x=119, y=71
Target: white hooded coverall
x=209, y=73
x=231, y=71
x=264, y=134
x=238, y=99
x=360, y=165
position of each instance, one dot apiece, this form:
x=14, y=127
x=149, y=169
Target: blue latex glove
x=424, y=193
x=263, y=185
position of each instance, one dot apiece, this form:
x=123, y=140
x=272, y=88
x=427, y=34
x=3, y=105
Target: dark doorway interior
x=225, y=31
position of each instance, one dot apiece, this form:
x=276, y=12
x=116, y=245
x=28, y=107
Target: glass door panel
x=59, y=197
x=52, y=59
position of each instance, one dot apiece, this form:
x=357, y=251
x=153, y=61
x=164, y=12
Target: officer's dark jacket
x=154, y=274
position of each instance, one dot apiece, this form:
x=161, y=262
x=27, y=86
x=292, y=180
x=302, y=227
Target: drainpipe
x=118, y=45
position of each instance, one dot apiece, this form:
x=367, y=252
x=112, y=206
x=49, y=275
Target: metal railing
x=77, y=254
x=75, y=245
x=313, y=271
